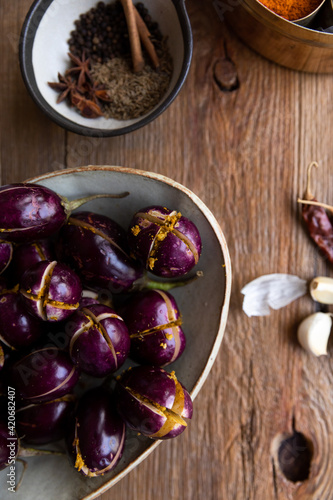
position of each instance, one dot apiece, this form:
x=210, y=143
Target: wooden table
x=245, y=154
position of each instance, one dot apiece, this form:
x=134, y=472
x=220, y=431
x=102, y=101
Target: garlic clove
x=321, y=289
x=313, y=333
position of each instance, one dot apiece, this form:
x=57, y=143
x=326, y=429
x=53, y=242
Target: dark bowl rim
x=27, y=36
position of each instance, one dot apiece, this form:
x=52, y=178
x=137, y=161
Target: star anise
x=96, y=92
x=80, y=90
x=81, y=66
x=87, y=107
x=66, y=85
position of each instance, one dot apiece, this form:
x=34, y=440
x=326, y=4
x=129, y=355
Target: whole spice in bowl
x=49, y=34
x=111, y=75
x=132, y=95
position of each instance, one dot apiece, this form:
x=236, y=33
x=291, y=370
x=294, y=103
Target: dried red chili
x=317, y=220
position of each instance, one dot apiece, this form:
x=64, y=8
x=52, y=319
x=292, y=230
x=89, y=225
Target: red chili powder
x=291, y=9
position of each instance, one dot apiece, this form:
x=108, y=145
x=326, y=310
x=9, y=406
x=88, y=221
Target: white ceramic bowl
x=203, y=305
x=44, y=48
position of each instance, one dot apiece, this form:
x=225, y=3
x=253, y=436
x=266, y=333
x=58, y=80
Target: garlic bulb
x=272, y=291
x=321, y=289
x=313, y=333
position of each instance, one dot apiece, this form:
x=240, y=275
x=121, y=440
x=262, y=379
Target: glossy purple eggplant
x=100, y=341
x=168, y=244
x=28, y=254
x=44, y=375
x=44, y=423
x=97, y=442
x=51, y=290
x=9, y=446
x=154, y=324
x=6, y=254
x=153, y=402
x=18, y=328
x=29, y=212
x=96, y=247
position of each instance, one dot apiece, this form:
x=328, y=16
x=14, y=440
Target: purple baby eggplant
x=28, y=254
x=51, y=291
x=100, y=342
x=154, y=325
x=29, y=212
x=168, y=244
x=153, y=402
x=18, y=328
x=44, y=423
x=97, y=443
x=96, y=247
x=6, y=254
x=44, y=375
x=9, y=445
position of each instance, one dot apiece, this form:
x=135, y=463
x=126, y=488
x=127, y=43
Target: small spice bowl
x=308, y=19
x=44, y=52
x=308, y=13
x=279, y=40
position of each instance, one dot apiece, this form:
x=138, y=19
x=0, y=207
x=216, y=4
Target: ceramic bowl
x=279, y=40
x=203, y=305
x=44, y=48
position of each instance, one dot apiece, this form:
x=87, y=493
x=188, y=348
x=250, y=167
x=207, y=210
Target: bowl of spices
x=105, y=68
x=301, y=12
x=297, y=34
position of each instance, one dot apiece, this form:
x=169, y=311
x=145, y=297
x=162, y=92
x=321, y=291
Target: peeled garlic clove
x=313, y=333
x=321, y=289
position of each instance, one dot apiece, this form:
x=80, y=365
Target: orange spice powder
x=292, y=9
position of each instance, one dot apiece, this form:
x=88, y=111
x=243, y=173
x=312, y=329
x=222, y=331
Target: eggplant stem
x=32, y=452
x=72, y=205
x=25, y=465
x=316, y=204
x=168, y=285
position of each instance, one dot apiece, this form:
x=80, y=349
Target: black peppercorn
x=102, y=31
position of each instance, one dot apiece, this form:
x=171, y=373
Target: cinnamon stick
x=145, y=38
x=136, y=51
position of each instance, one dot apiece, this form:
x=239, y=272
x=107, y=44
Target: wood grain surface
x=245, y=153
